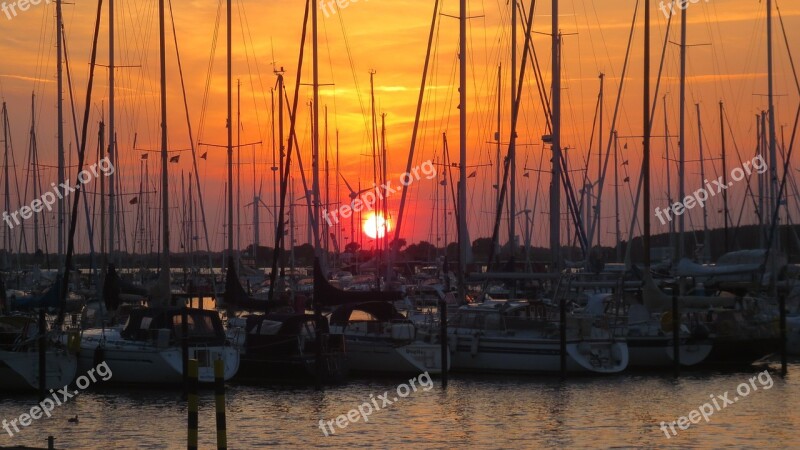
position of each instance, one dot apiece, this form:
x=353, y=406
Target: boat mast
x=647, y=132
x=34, y=152
x=60, y=119
x=773, y=159
x=239, y=165
x=230, y=136
x=669, y=177
x=111, y=131
x=463, y=243
x=7, y=185
x=600, y=176
x=555, y=183
x=616, y=198
x=315, y=138
x=724, y=177
x=706, y=232
x=512, y=151
x=681, y=144
x=165, y=265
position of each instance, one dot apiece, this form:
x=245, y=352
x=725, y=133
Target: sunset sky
x=727, y=61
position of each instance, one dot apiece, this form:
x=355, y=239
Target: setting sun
x=376, y=226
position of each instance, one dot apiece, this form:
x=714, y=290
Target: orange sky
x=728, y=63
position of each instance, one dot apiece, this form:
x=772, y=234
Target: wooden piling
x=443, y=339
x=219, y=391
x=192, y=387
x=676, y=337
x=42, y=355
x=782, y=306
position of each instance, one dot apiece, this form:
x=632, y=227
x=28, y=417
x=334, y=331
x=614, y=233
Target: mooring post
x=185, y=344
x=782, y=306
x=676, y=337
x=443, y=339
x=219, y=391
x=192, y=387
x=42, y=355
x=562, y=319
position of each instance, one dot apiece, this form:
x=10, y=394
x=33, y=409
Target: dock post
x=185, y=344
x=782, y=306
x=192, y=387
x=562, y=318
x=42, y=355
x=443, y=339
x=219, y=391
x=676, y=337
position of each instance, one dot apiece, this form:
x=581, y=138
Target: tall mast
x=239, y=166
x=34, y=151
x=499, y=129
x=315, y=134
x=724, y=176
x=282, y=151
x=111, y=131
x=681, y=140
x=773, y=159
x=462, y=143
x=616, y=198
x=599, y=162
x=706, y=232
x=555, y=183
x=374, y=156
x=7, y=185
x=669, y=178
x=646, y=123
x=60, y=119
x=230, y=137
x=164, y=156
x=512, y=151
x=327, y=185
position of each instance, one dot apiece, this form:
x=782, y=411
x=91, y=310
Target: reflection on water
x=474, y=412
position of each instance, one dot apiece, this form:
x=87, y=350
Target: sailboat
x=19, y=351
x=378, y=337
x=149, y=348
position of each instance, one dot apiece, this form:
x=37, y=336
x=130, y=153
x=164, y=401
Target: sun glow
x=375, y=226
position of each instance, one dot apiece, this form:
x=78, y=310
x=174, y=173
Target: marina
x=248, y=225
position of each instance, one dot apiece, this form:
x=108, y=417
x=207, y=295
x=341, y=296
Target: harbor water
x=621, y=411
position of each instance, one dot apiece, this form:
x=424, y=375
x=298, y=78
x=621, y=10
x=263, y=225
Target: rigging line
x=595, y=218
x=279, y=234
x=243, y=26
x=748, y=189
x=191, y=141
x=81, y=154
x=354, y=72
x=77, y=139
x=209, y=73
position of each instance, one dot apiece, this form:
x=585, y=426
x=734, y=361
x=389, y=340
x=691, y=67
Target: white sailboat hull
x=20, y=370
x=497, y=354
x=383, y=355
x=141, y=362
x=658, y=352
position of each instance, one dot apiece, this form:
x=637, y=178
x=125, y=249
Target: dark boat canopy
x=284, y=324
x=328, y=295
x=381, y=311
x=203, y=324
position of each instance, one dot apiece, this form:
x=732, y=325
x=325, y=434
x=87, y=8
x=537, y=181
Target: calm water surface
x=473, y=412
